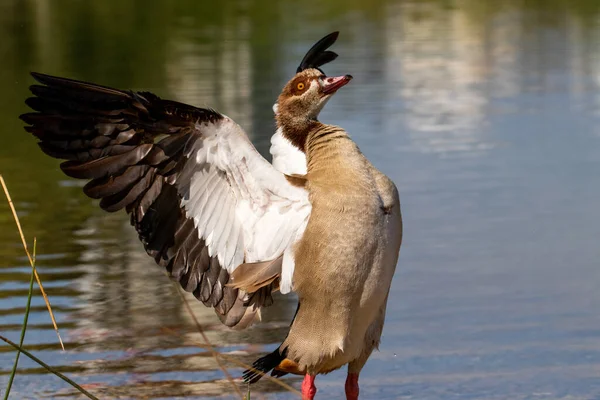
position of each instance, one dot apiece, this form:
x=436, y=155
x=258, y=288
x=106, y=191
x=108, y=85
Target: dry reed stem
x=243, y=365
x=37, y=277
x=211, y=348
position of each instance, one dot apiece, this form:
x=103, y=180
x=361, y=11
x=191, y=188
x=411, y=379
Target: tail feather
x=263, y=365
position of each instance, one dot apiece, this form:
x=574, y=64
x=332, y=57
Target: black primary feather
x=133, y=148
x=318, y=54
x=264, y=365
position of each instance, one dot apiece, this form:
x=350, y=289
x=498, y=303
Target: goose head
x=305, y=95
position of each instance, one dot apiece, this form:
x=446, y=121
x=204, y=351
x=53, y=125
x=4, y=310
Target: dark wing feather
x=318, y=54
x=132, y=147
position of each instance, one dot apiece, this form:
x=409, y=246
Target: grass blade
x=49, y=368
x=37, y=277
x=24, y=327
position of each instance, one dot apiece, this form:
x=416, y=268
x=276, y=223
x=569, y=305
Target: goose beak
x=332, y=83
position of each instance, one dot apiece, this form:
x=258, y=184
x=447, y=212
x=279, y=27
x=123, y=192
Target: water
x=486, y=115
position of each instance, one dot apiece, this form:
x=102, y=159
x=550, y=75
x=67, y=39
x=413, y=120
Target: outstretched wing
x=200, y=196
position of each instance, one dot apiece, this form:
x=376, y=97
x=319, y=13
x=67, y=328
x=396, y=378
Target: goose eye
x=300, y=86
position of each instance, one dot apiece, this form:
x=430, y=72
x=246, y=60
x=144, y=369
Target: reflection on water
x=437, y=63
x=486, y=114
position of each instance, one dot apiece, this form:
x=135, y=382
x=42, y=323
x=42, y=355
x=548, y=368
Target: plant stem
x=24, y=327
x=49, y=368
x=37, y=277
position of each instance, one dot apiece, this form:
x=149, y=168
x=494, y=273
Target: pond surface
x=485, y=114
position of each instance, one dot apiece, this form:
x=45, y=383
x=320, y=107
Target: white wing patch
x=243, y=208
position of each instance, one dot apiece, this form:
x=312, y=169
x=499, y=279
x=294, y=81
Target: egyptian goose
x=231, y=227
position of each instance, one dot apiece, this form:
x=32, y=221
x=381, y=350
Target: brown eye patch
x=300, y=86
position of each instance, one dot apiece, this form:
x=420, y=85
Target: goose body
x=231, y=227
x=343, y=278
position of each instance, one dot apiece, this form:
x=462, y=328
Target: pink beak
x=333, y=83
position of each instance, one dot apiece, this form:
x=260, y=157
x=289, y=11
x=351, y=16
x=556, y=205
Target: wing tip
x=44, y=79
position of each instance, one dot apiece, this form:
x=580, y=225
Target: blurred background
x=485, y=113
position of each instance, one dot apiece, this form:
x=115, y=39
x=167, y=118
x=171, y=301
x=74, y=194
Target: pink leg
x=352, y=386
x=308, y=387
